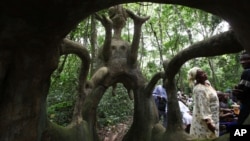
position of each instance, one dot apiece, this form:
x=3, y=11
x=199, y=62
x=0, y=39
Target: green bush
x=61, y=113
x=114, y=109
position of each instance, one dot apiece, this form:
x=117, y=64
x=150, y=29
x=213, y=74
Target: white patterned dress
x=206, y=105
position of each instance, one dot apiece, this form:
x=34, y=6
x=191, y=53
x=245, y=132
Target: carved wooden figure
x=119, y=56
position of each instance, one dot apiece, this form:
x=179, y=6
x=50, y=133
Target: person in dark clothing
x=242, y=90
x=160, y=96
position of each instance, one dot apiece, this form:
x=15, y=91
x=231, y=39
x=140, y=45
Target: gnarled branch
x=107, y=23
x=70, y=47
x=138, y=21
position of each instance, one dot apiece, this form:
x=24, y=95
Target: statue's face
x=119, y=48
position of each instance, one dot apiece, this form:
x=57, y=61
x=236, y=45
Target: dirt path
x=115, y=132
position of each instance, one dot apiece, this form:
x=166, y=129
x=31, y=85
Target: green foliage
x=63, y=90
x=114, y=109
x=228, y=72
x=64, y=83
x=152, y=67
x=82, y=30
x=61, y=113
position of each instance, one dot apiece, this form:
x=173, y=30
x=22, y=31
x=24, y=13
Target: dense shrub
x=114, y=109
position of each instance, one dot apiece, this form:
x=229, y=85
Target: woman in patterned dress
x=205, y=123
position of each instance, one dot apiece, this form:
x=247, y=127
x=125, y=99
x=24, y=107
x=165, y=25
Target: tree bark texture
x=24, y=87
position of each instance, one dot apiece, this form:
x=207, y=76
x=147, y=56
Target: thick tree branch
x=153, y=81
x=223, y=43
x=70, y=47
x=91, y=104
x=138, y=21
x=107, y=23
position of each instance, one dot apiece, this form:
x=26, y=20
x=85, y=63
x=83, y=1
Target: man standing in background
x=242, y=90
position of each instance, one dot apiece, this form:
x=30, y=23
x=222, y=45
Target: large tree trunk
x=25, y=80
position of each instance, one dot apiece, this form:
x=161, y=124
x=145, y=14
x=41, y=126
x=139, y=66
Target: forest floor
x=115, y=132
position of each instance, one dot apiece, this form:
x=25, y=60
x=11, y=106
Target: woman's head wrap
x=192, y=75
